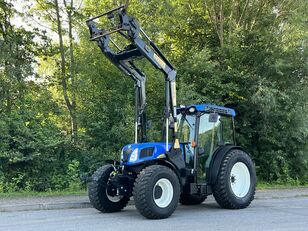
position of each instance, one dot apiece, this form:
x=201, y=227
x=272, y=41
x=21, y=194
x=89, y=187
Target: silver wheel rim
x=113, y=199
x=166, y=196
x=240, y=179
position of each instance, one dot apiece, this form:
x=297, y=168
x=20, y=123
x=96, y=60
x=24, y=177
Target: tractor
x=198, y=155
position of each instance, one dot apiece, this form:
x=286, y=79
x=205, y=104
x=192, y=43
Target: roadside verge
x=73, y=202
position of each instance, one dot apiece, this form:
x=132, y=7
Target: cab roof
x=211, y=108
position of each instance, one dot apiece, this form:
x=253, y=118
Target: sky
x=20, y=6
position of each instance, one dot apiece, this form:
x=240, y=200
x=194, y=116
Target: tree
x=16, y=58
x=248, y=55
x=60, y=14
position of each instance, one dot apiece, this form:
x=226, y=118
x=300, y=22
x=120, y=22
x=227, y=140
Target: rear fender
x=218, y=156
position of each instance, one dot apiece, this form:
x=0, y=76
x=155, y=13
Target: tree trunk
x=72, y=67
x=221, y=24
x=4, y=25
x=216, y=14
x=70, y=105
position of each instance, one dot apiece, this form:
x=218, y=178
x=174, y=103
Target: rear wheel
x=187, y=199
x=156, y=192
x=236, y=182
x=102, y=195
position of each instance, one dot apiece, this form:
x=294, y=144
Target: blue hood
x=132, y=154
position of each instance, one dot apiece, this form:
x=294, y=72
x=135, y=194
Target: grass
x=81, y=192
x=266, y=185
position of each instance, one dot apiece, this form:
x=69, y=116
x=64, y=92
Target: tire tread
x=141, y=187
x=220, y=191
x=95, y=190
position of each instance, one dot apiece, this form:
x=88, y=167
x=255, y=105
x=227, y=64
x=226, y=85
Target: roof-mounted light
x=192, y=109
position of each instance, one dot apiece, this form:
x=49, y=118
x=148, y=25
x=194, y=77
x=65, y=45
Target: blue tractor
x=198, y=155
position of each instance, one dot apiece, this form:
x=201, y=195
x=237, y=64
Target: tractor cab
x=202, y=130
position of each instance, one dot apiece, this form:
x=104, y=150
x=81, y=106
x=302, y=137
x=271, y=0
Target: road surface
x=263, y=214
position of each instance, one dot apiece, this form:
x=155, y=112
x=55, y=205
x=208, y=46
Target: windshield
x=187, y=127
x=187, y=135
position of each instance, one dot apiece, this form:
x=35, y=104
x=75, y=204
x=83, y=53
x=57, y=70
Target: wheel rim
x=163, y=193
x=114, y=199
x=240, y=179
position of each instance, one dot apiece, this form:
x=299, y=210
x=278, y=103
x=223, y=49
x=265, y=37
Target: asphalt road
x=263, y=214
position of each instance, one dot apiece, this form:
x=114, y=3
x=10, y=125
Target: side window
x=214, y=134
x=227, y=130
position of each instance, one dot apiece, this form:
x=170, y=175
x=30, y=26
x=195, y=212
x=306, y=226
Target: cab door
x=214, y=130
x=207, y=133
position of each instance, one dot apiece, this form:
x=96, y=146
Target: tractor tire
x=156, y=192
x=236, y=181
x=187, y=199
x=98, y=195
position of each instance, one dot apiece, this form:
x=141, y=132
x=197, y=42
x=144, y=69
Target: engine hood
x=132, y=154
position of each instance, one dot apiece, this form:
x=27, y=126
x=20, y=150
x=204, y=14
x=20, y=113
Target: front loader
x=198, y=155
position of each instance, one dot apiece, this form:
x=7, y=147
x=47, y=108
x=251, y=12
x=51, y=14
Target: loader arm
x=141, y=46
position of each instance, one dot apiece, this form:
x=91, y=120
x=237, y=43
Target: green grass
x=266, y=185
x=83, y=192
x=43, y=194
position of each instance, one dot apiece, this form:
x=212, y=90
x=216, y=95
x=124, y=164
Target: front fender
x=137, y=168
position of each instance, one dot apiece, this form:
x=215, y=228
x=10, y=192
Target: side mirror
x=213, y=117
x=201, y=151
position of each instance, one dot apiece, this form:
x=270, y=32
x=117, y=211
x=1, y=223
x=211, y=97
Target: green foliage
x=36, y=155
x=20, y=194
x=250, y=57
x=73, y=174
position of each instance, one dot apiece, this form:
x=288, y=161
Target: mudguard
x=213, y=168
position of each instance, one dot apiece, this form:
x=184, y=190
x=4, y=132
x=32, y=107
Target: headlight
x=134, y=156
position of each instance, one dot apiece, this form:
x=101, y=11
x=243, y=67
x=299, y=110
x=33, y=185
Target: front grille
x=145, y=152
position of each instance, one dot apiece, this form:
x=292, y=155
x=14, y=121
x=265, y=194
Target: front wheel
x=156, y=192
x=102, y=193
x=236, y=181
